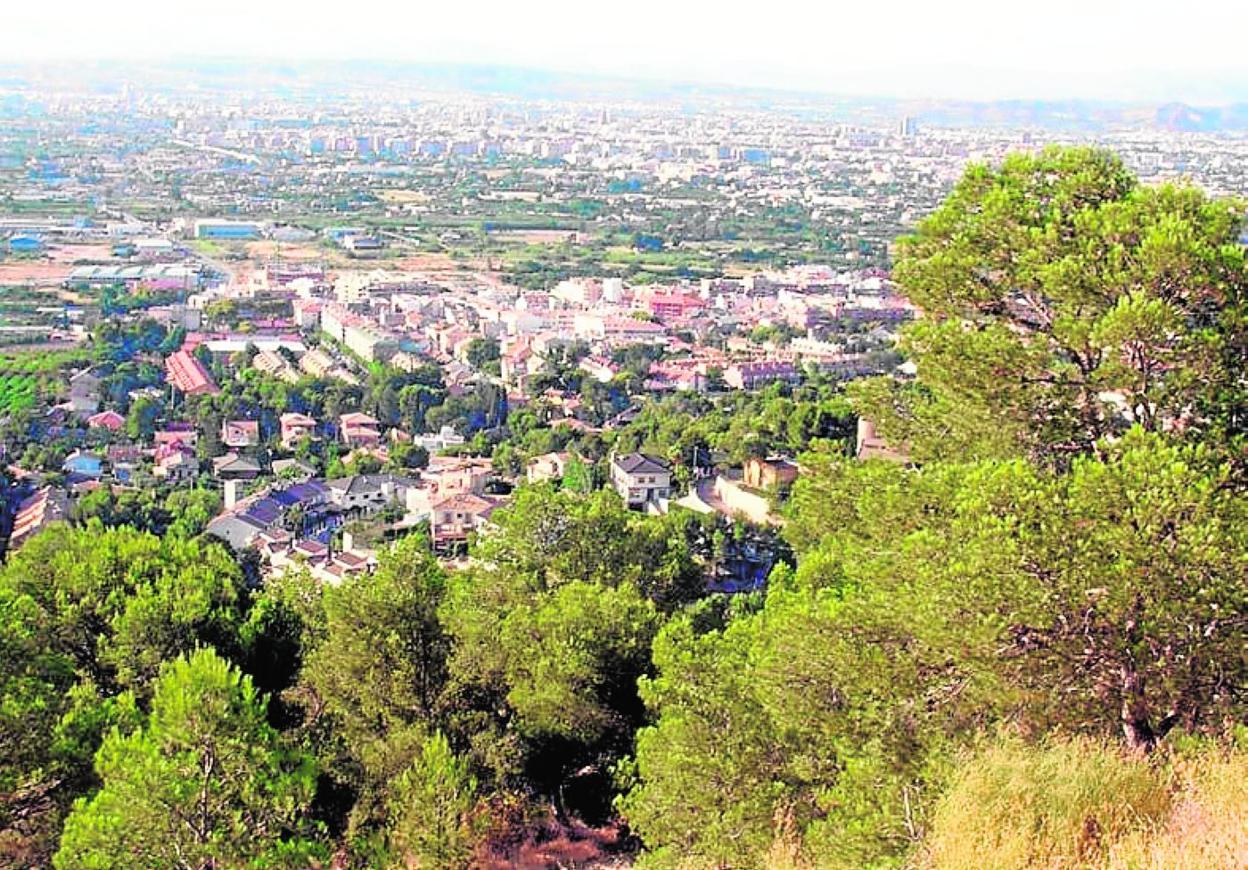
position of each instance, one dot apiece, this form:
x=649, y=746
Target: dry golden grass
x=1073, y=804
x=786, y=851
x=1207, y=827
x=1082, y=804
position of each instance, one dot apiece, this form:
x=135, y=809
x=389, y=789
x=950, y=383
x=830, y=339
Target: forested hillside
x=1025, y=646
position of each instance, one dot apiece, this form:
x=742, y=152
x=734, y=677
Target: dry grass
x=403, y=196
x=786, y=852
x=266, y=250
x=1082, y=804
x=1207, y=826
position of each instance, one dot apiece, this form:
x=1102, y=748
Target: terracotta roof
x=465, y=502
x=45, y=506
x=188, y=374
x=106, y=420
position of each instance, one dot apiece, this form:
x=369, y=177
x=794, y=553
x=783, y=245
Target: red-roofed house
x=453, y=517
x=173, y=435
x=296, y=427
x=188, y=374
x=110, y=420
x=45, y=506
x=674, y=306
x=597, y=327
x=359, y=430
x=175, y=462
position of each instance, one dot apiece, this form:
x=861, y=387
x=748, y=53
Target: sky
x=1149, y=50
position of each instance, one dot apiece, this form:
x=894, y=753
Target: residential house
x=184, y=435
x=518, y=363
x=761, y=373
x=406, y=362
x=240, y=433
x=446, y=475
x=34, y=514
x=617, y=330
x=124, y=460
x=232, y=466
x=318, y=363
x=687, y=374
x=870, y=445
x=640, y=479
x=359, y=430
x=279, y=549
x=281, y=552
x=84, y=392
x=772, y=473
x=273, y=364
x=109, y=420
x=453, y=518
x=548, y=466
x=674, y=306
x=296, y=427
x=175, y=462
x=236, y=529
x=344, y=564
x=285, y=469
x=439, y=441
x=367, y=493
x=188, y=374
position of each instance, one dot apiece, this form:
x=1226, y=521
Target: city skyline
x=971, y=51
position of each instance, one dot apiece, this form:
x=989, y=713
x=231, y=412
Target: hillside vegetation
x=1026, y=647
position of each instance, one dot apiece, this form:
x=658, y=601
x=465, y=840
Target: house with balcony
x=175, y=462
x=359, y=430
x=453, y=518
x=296, y=427
x=643, y=481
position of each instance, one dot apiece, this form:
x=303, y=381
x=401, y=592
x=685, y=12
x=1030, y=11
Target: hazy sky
x=1146, y=49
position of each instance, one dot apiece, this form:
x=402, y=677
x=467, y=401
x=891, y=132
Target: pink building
x=359, y=430
x=296, y=427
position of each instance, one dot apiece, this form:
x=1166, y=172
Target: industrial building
x=227, y=230
x=174, y=276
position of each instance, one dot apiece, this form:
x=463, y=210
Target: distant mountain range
x=1082, y=115
x=318, y=80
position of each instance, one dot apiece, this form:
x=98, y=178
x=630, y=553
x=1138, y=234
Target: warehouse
x=227, y=230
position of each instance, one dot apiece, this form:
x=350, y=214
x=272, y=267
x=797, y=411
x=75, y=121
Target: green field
x=39, y=360
x=17, y=392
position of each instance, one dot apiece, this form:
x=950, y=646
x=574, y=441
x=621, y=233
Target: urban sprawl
x=308, y=328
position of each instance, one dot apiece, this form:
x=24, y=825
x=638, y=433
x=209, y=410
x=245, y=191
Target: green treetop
x=205, y=783
x=1064, y=302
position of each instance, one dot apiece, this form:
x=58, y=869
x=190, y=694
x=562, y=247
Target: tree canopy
x=1023, y=645
x=1064, y=302
x=206, y=781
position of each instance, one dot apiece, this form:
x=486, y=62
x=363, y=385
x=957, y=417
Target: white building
x=641, y=480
